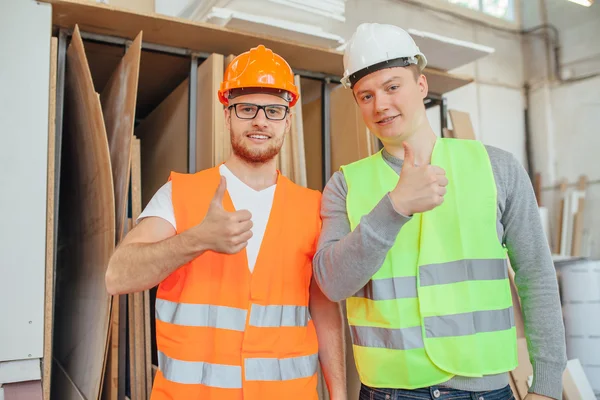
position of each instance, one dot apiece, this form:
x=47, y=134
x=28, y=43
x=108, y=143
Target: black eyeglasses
x=275, y=112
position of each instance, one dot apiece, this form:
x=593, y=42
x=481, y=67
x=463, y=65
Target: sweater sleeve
x=345, y=260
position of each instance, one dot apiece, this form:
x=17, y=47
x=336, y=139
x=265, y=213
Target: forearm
x=346, y=260
x=329, y=325
x=139, y=266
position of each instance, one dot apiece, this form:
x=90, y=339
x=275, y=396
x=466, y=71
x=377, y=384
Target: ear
x=423, y=86
x=288, y=121
x=227, y=115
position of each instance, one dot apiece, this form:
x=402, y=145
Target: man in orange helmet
x=237, y=312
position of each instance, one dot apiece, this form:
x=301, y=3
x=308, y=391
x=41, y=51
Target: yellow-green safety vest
x=440, y=305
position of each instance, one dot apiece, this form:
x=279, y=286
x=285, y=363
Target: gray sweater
x=345, y=261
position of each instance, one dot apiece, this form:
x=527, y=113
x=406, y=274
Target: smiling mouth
x=387, y=120
x=258, y=136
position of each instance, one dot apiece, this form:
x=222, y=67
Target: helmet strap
x=284, y=94
x=397, y=62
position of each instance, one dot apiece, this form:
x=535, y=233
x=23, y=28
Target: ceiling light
x=585, y=3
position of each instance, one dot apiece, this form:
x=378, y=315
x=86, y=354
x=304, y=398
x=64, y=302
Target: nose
x=260, y=119
x=381, y=104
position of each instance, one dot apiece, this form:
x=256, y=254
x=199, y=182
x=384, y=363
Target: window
x=504, y=9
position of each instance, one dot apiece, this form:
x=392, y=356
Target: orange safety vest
x=224, y=333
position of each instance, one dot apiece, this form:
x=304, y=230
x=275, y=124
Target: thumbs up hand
x=419, y=188
x=223, y=231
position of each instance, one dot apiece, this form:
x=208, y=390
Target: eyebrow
x=383, y=84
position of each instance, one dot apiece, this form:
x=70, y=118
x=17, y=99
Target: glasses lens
x=275, y=112
x=245, y=110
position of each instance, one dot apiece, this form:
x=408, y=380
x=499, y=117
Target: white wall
x=565, y=116
x=24, y=83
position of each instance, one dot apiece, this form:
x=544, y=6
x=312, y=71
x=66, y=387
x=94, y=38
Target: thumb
x=219, y=193
x=409, y=156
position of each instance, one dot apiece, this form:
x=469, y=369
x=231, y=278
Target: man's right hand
x=419, y=188
x=225, y=232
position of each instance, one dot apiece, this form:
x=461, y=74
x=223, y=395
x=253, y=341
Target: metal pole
x=325, y=131
x=193, y=105
x=443, y=115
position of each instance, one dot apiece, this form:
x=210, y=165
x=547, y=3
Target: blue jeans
x=433, y=393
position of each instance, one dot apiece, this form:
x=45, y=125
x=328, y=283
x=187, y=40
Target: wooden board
x=103, y=60
x=226, y=133
x=63, y=386
x=137, y=319
x=164, y=141
x=50, y=202
x=440, y=82
x=178, y=32
x=160, y=75
x=110, y=388
x=210, y=122
x=118, y=101
x=204, y=37
x=524, y=370
x=349, y=135
x=286, y=156
x=560, y=216
x=578, y=217
x=461, y=125
x=86, y=231
x=298, y=149
x=311, y=120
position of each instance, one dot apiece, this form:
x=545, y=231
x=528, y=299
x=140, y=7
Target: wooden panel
x=578, y=217
x=350, y=140
x=286, y=156
x=298, y=148
x=442, y=82
x=210, y=122
x=164, y=141
x=50, y=202
x=62, y=385
x=226, y=133
x=160, y=75
x=198, y=36
x=118, y=101
x=86, y=230
x=178, y=32
x=462, y=127
x=103, y=59
x=137, y=329
x=560, y=216
x=110, y=388
x=311, y=120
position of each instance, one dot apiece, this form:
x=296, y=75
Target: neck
x=257, y=176
x=421, y=140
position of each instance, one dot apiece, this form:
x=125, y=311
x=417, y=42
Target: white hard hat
x=376, y=46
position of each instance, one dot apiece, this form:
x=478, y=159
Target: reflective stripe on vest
x=222, y=317
x=440, y=304
x=230, y=376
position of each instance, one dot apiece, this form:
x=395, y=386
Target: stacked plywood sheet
x=95, y=171
x=86, y=236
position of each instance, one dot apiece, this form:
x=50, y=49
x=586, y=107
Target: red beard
x=255, y=156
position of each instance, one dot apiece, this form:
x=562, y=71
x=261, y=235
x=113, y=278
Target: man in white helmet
x=415, y=238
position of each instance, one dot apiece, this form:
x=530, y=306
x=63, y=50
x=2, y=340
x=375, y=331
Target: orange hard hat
x=258, y=68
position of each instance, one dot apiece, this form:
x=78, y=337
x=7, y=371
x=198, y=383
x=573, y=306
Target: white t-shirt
x=243, y=197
